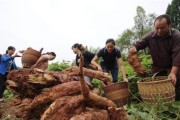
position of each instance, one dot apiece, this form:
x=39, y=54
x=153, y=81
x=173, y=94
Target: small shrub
x=59, y=66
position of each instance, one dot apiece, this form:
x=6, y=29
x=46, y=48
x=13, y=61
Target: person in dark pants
x=111, y=60
x=164, y=45
x=79, y=50
x=7, y=64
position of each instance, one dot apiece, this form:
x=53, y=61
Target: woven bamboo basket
x=30, y=57
x=156, y=89
x=118, y=93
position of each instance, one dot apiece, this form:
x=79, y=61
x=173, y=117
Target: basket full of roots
x=156, y=89
x=152, y=89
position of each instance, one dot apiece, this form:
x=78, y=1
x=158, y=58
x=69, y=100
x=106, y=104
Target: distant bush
x=57, y=66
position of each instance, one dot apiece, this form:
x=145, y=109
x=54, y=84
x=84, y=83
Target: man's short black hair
x=164, y=16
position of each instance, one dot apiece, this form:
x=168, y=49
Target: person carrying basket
x=164, y=46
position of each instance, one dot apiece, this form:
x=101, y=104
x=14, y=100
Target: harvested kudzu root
x=134, y=61
x=60, y=95
x=74, y=71
x=92, y=115
x=88, y=96
x=55, y=92
x=119, y=114
x=64, y=108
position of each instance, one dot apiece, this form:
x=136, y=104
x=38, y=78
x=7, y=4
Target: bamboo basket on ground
x=118, y=93
x=156, y=89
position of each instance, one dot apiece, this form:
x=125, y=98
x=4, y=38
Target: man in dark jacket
x=164, y=45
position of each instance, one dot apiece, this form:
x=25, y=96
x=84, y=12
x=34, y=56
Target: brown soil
x=8, y=109
x=7, y=112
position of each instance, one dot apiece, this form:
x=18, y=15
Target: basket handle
x=154, y=76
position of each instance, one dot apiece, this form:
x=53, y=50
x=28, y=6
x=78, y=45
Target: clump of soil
x=7, y=112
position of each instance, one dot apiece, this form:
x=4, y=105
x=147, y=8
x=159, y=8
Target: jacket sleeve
x=176, y=50
x=143, y=43
x=6, y=58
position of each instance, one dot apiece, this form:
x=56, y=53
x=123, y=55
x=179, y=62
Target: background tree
x=173, y=10
x=140, y=22
x=93, y=50
x=125, y=40
x=142, y=25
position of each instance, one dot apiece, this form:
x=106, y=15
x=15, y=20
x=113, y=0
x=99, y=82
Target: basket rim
x=153, y=81
x=116, y=83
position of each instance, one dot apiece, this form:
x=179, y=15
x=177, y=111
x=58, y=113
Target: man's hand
x=100, y=69
x=16, y=55
x=173, y=77
x=21, y=51
x=132, y=50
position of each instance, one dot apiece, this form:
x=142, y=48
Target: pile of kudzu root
x=61, y=95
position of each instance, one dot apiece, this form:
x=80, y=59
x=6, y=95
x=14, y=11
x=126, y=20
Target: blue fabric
x=5, y=61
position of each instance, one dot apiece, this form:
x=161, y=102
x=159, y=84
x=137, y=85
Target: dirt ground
x=7, y=112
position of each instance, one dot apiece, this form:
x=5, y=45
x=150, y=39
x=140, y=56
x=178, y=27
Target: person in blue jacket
x=6, y=64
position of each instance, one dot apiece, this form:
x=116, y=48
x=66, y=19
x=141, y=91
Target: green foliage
x=143, y=23
x=140, y=22
x=123, y=56
x=8, y=95
x=98, y=84
x=93, y=50
x=173, y=10
x=59, y=66
x=125, y=39
x=146, y=61
x=133, y=86
x=159, y=111
x=149, y=22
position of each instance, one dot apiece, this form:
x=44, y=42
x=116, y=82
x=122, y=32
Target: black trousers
x=177, y=86
x=3, y=79
x=113, y=69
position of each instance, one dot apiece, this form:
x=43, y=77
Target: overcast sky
x=56, y=25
